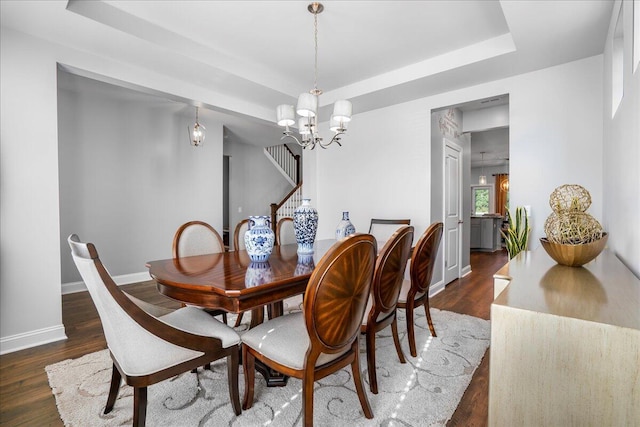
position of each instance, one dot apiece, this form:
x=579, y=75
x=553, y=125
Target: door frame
x=456, y=147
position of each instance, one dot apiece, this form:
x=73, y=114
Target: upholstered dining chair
x=285, y=233
x=324, y=337
x=415, y=292
x=238, y=235
x=146, y=349
x=383, y=299
x=198, y=238
x=382, y=229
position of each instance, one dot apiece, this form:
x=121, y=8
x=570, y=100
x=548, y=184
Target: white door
x=452, y=210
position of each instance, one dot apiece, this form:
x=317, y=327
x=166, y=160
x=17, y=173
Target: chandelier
x=307, y=107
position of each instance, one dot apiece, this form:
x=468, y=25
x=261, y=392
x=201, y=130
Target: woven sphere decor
x=570, y=197
x=574, y=237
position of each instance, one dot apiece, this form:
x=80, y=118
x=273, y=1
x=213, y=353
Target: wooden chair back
x=424, y=258
x=389, y=273
x=337, y=295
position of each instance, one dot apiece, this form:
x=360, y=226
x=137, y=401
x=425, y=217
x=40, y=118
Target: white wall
x=128, y=176
x=486, y=118
x=383, y=168
x=621, y=154
x=30, y=296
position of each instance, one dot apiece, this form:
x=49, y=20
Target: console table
x=565, y=343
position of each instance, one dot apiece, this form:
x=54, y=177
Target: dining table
x=230, y=281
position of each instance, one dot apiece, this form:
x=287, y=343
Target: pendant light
x=196, y=137
x=483, y=177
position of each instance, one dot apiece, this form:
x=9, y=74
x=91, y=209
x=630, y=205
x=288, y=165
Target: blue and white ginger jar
x=305, y=224
x=345, y=227
x=259, y=238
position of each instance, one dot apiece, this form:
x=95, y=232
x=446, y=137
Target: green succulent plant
x=516, y=236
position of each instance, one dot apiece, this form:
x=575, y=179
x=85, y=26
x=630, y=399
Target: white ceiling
x=375, y=53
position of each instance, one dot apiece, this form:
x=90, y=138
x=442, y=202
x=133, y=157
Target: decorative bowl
x=574, y=255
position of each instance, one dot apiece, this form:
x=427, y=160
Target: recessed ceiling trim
x=477, y=52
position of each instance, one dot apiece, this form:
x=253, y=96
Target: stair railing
x=285, y=160
x=287, y=206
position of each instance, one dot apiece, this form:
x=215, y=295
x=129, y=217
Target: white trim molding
x=125, y=279
x=32, y=339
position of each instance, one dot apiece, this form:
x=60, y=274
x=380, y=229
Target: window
x=482, y=199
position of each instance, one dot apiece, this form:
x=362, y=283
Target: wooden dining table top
x=230, y=281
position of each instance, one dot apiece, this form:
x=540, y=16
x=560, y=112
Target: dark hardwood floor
x=26, y=399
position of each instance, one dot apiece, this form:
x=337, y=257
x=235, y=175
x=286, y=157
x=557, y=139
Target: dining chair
x=238, y=235
x=415, y=292
x=198, y=238
x=382, y=229
x=324, y=337
x=146, y=349
x=383, y=299
x=285, y=233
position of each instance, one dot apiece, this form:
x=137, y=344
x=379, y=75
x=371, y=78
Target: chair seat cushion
x=199, y=322
x=284, y=340
x=404, y=291
x=380, y=317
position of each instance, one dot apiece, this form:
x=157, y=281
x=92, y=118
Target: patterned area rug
x=425, y=391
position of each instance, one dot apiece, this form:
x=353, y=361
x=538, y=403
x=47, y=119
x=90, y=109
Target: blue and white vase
x=345, y=227
x=258, y=273
x=259, y=238
x=305, y=224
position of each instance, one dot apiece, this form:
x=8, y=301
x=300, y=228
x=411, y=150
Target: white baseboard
x=436, y=288
x=465, y=271
x=125, y=279
x=32, y=339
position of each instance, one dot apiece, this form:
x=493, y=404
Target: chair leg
x=139, y=406
x=238, y=320
x=410, y=330
x=396, y=340
x=307, y=398
x=357, y=379
x=249, y=369
x=233, y=363
x=224, y=318
x=428, y=313
x=116, y=378
x=371, y=361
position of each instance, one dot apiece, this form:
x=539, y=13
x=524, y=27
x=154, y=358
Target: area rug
x=423, y=392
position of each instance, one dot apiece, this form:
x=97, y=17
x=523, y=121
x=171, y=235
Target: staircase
x=288, y=164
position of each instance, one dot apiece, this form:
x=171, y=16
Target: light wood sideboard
x=565, y=343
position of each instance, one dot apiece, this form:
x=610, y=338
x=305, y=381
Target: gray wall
x=128, y=176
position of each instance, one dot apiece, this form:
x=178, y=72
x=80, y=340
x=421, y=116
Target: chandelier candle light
x=307, y=107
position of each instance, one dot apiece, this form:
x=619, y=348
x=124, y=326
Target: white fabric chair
x=196, y=238
x=146, y=349
x=238, y=235
x=382, y=229
x=285, y=233
x=383, y=300
x=324, y=337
